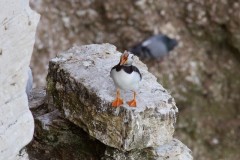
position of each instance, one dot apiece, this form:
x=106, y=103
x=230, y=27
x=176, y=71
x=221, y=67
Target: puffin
x=155, y=47
x=125, y=77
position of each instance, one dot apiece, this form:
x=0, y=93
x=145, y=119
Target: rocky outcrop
x=80, y=83
x=17, y=32
x=81, y=87
x=201, y=72
x=57, y=138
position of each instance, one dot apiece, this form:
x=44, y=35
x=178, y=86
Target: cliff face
x=17, y=32
x=214, y=21
x=202, y=73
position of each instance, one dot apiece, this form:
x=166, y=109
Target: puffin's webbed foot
x=118, y=101
x=133, y=103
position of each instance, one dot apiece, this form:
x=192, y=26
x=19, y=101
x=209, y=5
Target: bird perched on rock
x=155, y=47
x=125, y=77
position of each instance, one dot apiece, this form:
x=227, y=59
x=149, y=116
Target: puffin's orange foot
x=117, y=102
x=132, y=103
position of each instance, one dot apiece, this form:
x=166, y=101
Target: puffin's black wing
x=127, y=69
x=114, y=68
x=130, y=69
x=135, y=69
x=117, y=67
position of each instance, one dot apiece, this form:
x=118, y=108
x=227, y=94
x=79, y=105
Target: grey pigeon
x=155, y=47
x=29, y=82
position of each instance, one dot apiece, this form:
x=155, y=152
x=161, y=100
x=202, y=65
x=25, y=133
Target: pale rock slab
x=17, y=36
x=174, y=150
x=79, y=81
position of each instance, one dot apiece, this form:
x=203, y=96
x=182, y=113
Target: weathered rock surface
x=222, y=16
x=81, y=86
x=22, y=155
x=17, y=32
x=57, y=138
x=174, y=150
x=201, y=73
x=37, y=97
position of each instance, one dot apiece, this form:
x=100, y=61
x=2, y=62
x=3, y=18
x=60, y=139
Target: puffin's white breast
x=124, y=80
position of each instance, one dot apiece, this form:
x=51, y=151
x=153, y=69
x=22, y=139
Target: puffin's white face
x=126, y=58
x=130, y=59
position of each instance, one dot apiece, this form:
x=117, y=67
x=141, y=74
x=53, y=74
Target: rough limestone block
x=174, y=150
x=79, y=81
x=37, y=98
x=58, y=138
x=63, y=140
x=17, y=35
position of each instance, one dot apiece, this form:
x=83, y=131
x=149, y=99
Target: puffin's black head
x=170, y=43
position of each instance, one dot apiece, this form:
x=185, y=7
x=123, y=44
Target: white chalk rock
x=17, y=36
x=29, y=82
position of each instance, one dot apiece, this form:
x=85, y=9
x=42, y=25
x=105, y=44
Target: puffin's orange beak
x=124, y=58
x=123, y=61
